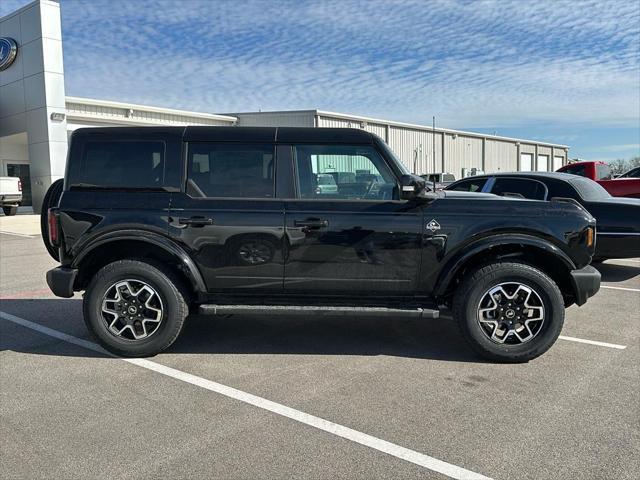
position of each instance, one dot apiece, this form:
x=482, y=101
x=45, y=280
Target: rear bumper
x=586, y=283
x=11, y=199
x=61, y=280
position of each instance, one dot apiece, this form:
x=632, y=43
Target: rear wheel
x=10, y=211
x=509, y=312
x=51, y=199
x=134, y=308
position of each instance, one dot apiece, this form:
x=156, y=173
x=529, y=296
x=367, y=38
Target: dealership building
x=37, y=118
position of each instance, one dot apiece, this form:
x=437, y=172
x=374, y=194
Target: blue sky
x=566, y=72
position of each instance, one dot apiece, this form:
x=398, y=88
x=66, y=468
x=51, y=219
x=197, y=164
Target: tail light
x=52, y=220
x=19, y=185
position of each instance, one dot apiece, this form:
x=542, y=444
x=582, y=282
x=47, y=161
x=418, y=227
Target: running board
x=212, y=309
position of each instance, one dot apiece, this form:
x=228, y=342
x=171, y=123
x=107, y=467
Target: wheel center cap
x=510, y=313
x=132, y=310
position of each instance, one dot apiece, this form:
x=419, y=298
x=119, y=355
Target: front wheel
x=134, y=308
x=509, y=312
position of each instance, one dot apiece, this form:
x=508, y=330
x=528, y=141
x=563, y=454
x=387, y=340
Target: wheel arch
x=142, y=246
x=533, y=251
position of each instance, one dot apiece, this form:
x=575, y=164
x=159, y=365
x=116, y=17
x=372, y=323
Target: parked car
x=10, y=194
x=145, y=231
x=633, y=173
x=618, y=232
x=326, y=184
x=601, y=173
x=441, y=179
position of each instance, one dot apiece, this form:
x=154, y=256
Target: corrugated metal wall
x=115, y=113
x=415, y=149
x=501, y=156
x=275, y=119
x=462, y=152
x=414, y=145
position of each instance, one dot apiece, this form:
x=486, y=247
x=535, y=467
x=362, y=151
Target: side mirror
x=413, y=187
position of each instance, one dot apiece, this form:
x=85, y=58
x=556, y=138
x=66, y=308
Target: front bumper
x=586, y=283
x=61, y=280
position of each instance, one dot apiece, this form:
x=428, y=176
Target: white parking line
x=592, y=342
x=621, y=288
x=23, y=235
x=375, y=443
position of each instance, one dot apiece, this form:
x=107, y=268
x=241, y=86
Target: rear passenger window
x=230, y=170
x=520, y=187
x=122, y=164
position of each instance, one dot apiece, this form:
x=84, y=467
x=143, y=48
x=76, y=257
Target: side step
x=212, y=309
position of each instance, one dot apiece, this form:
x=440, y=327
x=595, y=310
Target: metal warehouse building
x=456, y=152
x=37, y=118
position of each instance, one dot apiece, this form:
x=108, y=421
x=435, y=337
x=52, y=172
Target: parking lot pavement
x=75, y=413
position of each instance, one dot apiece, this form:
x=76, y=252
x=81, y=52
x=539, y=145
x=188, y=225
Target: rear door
x=228, y=216
x=356, y=239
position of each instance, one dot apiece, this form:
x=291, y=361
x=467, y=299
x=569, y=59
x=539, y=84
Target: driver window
x=344, y=172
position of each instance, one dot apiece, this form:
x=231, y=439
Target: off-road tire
x=478, y=282
x=168, y=287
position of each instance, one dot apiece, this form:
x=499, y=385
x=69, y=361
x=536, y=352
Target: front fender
x=458, y=259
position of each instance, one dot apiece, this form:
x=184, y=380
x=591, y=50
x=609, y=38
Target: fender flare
x=460, y=258
x=155, y=239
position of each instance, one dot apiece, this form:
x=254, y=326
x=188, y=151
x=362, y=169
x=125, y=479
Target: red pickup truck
x=601, y=173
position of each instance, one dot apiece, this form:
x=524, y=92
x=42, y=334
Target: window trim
x=295, y=176
x=186, y=170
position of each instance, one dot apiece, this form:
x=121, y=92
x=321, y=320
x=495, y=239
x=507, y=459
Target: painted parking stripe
x=361, y=438
x=626, y=289
x=592, y=342
x=23, y=235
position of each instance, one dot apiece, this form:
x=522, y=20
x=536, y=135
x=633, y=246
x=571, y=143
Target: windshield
x=589, y=190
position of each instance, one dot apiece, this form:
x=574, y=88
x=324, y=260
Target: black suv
x=153, y=223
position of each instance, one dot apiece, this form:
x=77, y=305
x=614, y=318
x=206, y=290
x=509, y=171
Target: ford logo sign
x=8, y=52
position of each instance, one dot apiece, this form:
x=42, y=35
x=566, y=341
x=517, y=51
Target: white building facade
x=37, y=118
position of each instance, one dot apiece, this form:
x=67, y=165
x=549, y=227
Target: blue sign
x=8, y=52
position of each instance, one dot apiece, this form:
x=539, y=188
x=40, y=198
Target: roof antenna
x=433, y=144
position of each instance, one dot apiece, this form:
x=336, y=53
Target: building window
x=526, y=162
x=543, y=163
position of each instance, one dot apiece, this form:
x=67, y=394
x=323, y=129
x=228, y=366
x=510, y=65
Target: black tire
x=474, y=288
x=169, y=289
x=10, y=211
x=51, y=199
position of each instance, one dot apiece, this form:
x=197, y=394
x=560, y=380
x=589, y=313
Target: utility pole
x=433, y=144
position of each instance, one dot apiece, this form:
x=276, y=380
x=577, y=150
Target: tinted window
x=123, y=164
x=634, y=173
x=577, y=170
x=603, y=172
x=230, y=170
x=359, y=172
x=519, y=186
x=589, y=190
x=471, y=185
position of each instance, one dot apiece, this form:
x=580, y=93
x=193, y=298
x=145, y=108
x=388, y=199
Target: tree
x=618, y=166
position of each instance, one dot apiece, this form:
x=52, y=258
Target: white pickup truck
x=10, y=194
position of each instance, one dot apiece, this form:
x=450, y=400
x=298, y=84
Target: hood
x=620, y=201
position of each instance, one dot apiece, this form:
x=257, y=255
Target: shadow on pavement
x=617, y=273
x=295, y=335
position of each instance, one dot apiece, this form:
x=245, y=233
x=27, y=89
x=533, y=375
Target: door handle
x=195, y=221
x=311, y=223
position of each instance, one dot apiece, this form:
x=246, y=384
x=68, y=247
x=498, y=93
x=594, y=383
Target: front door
x=229, y=219
x=355, y=237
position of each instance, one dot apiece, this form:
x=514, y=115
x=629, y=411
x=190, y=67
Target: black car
x=153, y=223
x=618, y=231
x=633, y=173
